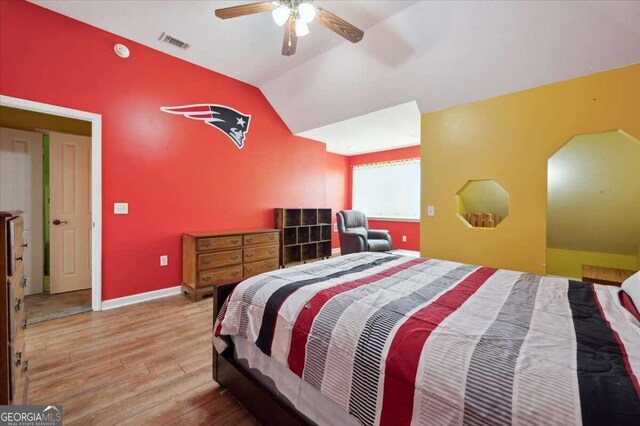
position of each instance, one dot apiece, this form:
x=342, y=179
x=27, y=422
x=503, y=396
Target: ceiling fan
x=294, y=15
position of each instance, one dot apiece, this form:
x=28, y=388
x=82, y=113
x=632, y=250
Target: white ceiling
x=389, y=128
x=439, y=54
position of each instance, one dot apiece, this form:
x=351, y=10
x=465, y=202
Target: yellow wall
x=568, y=263
x=28, y=120
x=510, y=139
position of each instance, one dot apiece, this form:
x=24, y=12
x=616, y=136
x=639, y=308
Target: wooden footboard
x=267, y=407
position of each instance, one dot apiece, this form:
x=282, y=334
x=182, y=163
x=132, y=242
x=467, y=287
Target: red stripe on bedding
x=304, y=321
x=625, y=355
x=406, y=347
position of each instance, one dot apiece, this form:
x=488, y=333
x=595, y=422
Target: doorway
x=593, y=190
x=66, y=231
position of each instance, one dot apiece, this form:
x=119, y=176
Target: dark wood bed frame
x=268, y=407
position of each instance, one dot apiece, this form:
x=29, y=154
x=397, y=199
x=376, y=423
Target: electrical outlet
x=335, y=227
x=120, y=208
x=431, y=211
x=164, y=260
x=404, y=238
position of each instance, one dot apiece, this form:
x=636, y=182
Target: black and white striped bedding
x=398, y=340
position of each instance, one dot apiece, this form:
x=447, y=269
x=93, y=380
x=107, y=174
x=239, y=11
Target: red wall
x=396, y=228
x=338, y=184
x=176, y=174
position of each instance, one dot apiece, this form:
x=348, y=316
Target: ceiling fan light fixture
x=306, y=12
x=281, y=14
x=302, y=29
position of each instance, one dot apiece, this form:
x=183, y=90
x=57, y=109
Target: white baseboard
x=141, y=297
x=335, y=251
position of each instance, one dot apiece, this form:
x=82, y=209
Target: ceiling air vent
x=174, y=41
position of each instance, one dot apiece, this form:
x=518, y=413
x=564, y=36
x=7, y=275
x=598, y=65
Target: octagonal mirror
x=482, y=203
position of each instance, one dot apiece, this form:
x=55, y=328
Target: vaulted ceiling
x=439, y=54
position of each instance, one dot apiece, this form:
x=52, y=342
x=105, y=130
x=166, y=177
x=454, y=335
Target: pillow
x=627, y=303
x=631, y=287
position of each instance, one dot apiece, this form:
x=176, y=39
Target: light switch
x=431, y=211
x=164, y=260
x=120, y=208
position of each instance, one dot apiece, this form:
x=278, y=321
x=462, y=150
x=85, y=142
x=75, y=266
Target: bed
x=377, y=338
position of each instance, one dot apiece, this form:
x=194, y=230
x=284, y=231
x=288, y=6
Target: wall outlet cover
x=164, y=260
x=431, y=211
x=404, y=238
x=335, y=227
x=120, y=208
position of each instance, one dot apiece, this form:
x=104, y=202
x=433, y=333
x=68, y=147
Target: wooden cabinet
x=306, y=234
x=13, y=362
x=606, y=276
x=220, y=257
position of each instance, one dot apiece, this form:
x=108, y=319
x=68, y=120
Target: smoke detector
x=121, y=50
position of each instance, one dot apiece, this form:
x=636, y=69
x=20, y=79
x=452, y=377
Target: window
x=389, y=190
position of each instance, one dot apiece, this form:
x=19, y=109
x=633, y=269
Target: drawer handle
x=236, y=241
x=272, y=237
x=25, y=367
x=206, y=279
x=18, y=359
x=235, y=274
x=272, y=251
x=24, y=324
x=25, y=245
x=206, y=243
x=249, y=239
x=235, y=257
x=18, y=258
x=18, y=304
x=249, y=269
x=207, y=261
x=24, y=282
x=249, y=254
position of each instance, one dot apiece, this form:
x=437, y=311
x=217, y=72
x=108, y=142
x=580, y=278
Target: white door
x=21, y=189
x=70, y=218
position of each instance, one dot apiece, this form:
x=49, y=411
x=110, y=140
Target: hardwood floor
x=148, y=363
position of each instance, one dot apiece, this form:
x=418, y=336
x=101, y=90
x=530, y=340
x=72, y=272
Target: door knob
x=59, y=222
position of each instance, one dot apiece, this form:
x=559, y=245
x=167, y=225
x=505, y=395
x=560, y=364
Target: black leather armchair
x=355, y=235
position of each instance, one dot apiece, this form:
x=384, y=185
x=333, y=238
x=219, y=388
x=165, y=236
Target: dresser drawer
x=16, y=312
x=17, y=237
x=255, y=268
x=18, y=383
x=217, y=243
x=217, y=259
x=261, y=239
x=260, y=253
x=226, y=274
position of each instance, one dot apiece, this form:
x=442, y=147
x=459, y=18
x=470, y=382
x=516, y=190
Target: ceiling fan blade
x=290, y=38
x=245, y=9
x=338, y=25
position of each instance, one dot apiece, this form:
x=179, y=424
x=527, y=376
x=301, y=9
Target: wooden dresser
x=221, y=257
x=13, y=365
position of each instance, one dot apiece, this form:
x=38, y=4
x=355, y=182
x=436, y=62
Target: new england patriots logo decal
x=232, y=123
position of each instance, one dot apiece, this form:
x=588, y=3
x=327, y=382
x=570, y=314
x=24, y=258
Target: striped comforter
x=398, y=340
